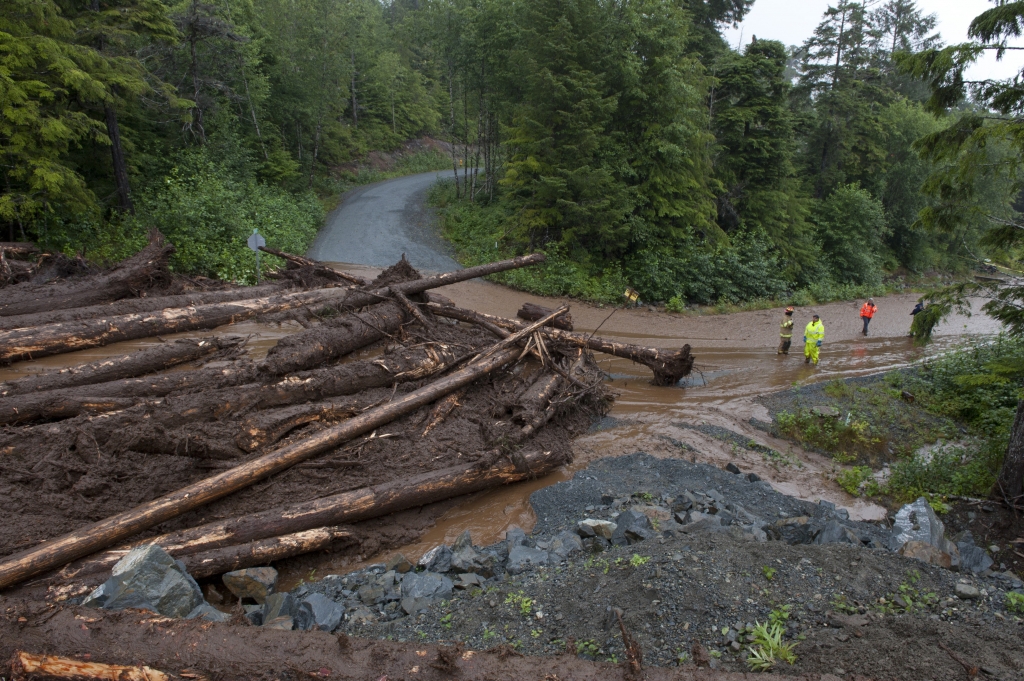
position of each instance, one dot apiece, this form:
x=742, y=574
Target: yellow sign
x=632, y=295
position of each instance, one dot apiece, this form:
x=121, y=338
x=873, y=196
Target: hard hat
x=790, y=309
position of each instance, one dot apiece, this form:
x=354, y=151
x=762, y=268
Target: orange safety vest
x=868, y=310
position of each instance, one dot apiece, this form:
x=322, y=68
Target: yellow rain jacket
x=813, y=335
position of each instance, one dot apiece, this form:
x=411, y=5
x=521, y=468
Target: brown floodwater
x=735, y=363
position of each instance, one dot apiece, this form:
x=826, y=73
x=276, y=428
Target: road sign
x=256, y=240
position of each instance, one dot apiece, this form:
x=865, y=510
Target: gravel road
x=376, y=224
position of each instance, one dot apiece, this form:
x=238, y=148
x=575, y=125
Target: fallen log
x=338, y=509
x=138, y=363
x=262, y=552
x=532, y=313
x=334, y=338
x=668, y=366
x=51, y=666
x=19, y=247
x=267, y=427
x=126, y=279
x=62, y=550
x=315, y=267
x=52, y=339
x=135, y=305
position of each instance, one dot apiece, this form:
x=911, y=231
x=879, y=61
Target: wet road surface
x=376, y=224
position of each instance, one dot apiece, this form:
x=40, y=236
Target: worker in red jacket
x=867, y=312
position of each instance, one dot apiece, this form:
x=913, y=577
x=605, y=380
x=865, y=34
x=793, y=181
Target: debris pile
x=390, y=398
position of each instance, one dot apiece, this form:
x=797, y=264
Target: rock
x=521, y=558
x=702, y=522
x=254, y=613
x=255, y=583
x=972, y=558
x=927, y=553
x=209, y=613
x=362, y=615
x=798, y=530
x=284, y=622
x=918, y=522
x=632, y=527
x=437, y=559
x=370, y=595
x=835, y=532
x=565, y=544
x=279, y=605
x=514, y=537
x=682, y=503
x=715, y=495
x=426, y=585
x=149, y=579
x=468, y=581
x=399, y=564
x=465, y=557
x=753, y=477
x=733, y=468
x=830, y=412
x=411, y=606
x=596, y=544
x=597, y=528
x=326, y=614
x=967, y=592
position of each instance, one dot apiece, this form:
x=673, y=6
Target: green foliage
x=851, y=225
x=521, y=602
x=857, y=481
x=1015, y=602
x=768, y=572
x=780, y=615
x=637, y=560
x=768, y=648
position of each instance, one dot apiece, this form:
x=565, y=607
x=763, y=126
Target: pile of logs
x=301, y=406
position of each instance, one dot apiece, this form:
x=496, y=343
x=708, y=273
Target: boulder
x=702, y=522
x=209, y=613
x=799, y=530
x=466, y=558
x=326, y=614
x=399, y=564
x=468, y=581
x=284, y=622
x=632, y=527
x=733, y=468
x=426, y=585
x=753, y=477
x=254, y=613
x=967, y=592
x=149, y=579
x=437, y=559
x=565, y=544
x=835, y=532
x=255, y=583
x=522, y=558
x=514, y=537
x=279, y=605
x=682, y=503
x=370, y=594
x=589, y=527
x=925, y=552
x=411, y=606
x=972, y=558
x=918, y=522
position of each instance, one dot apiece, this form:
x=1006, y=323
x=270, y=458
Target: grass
x=768, y=648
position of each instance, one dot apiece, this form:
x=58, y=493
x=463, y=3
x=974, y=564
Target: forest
x=624, y=138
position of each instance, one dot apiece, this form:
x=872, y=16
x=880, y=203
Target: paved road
x=376, y=224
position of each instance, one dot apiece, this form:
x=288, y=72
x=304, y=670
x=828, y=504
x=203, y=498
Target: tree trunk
x=1010, y=485
x=262, y=552
x=344, y=508
x=296, y=261
x=132, y=305
x=57, y=552
x=124, y=194
x=139, y=363
x=668, y=366
x=53, y=667
x=126, y=279
x=532, y=313
x=54, y=339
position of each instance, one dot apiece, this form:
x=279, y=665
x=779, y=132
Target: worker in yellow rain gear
x=814, y=334
x=786, y=333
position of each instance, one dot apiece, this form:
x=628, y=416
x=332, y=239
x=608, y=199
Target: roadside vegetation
x=939, y=429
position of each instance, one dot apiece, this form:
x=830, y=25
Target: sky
x=793, y=21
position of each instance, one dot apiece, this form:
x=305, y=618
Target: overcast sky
x=793, y=21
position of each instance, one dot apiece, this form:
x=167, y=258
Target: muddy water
x=736, y=362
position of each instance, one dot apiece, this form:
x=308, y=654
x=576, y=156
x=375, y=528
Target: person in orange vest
x=867, y=312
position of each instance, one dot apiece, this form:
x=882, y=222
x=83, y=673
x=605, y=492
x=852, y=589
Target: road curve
x=376, y=224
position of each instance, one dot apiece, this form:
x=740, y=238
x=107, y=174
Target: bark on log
x=316, y=268
x=51, y=666
x=54, y=339
x=532, y=313
x=126, y=279
x=442, y=409
x=267, y=427
x=1010, y=485
x=19, y=247
x=136, y=305
x=668, y=366
x=262, y=552
x=339, y=509
x=139, y=363
x=334, y=338
x=82, y=542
